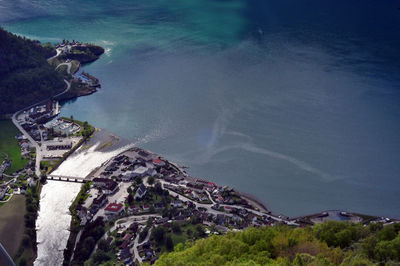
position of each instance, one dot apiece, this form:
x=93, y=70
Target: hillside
x=24, y=71
x=331, y=243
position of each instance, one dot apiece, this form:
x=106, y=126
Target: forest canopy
x=330, y=243
x=25, y=75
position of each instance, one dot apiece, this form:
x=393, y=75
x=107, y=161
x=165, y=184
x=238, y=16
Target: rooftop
x=114, y=207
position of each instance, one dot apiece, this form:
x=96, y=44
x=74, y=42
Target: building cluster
x=122, y=188
x=62, y=127
x=40, y=113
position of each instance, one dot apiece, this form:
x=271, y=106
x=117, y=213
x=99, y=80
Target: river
x=54, y=218
x=54, y=221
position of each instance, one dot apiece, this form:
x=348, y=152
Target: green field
x=9, y=146
x=12, y=223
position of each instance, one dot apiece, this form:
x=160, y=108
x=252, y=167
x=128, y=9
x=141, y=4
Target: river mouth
x=54, y=218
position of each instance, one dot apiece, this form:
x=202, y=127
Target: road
x=127, y=221
x=58, y=50
x=69, y=64
x=215, y=212
x=31, y=140
x=39, y=151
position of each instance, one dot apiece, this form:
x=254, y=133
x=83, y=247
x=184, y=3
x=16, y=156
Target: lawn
x=12, y=223
x=9, y=146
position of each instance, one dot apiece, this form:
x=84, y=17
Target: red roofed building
x=114, y=208
x=158, y=162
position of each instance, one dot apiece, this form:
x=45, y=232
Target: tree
x=103, y=245
x=158, y=234
x=169, y=244
x=26, y=240
x=43, y=178
x=130, y=199
x=200, y=231
x=138, y=180
x=143, y=234
x=150, y=180
x=100, y=256
x=22, y=262
x=176, y=228
x=158, y=188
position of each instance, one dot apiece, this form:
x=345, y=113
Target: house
x=140, y=171
x=243, y=212
x=31, y=182
x=133, y=209
x=127, y=177
x=112, y=167
x=159, y=206
x=125, y=254
x=145, y=155
x=176, y=203
x=219, y=199
x=111, y=187
x=100, y=182
x=158, y=162
x=162, y=220
x=140, y=192
x=100, y=201
x=228, y=209
x=84, y=215
x=114, y=209
x=221, y=219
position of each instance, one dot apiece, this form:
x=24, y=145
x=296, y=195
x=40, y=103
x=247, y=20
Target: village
x=44, y=142
x=154, y=205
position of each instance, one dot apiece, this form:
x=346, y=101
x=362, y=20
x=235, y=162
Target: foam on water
x=82, y=163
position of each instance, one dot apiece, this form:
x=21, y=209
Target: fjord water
x=296, y=102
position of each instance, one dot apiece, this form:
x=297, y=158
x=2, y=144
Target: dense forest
x=24, y=71
x=330, y=243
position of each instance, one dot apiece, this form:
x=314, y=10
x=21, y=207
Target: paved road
x=39, y=152
x=31, y=140
x=69, y=64
x=58, y=50
x=136, y=243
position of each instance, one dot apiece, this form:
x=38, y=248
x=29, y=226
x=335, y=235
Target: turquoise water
x=296, y=102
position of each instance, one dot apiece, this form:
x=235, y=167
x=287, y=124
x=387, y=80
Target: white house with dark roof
x=140, y=192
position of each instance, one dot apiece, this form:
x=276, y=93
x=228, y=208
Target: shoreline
x=258, y=204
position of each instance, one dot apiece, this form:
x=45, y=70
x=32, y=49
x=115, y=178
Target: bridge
x=67, y=178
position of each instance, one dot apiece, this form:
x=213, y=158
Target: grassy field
x=12, y=223
x=9, y=146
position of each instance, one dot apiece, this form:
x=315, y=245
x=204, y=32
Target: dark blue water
x=296, y=102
